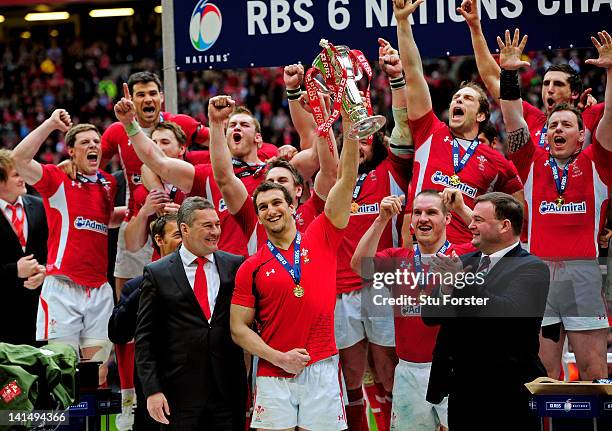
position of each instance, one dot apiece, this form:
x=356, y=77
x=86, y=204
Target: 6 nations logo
x=205, y=25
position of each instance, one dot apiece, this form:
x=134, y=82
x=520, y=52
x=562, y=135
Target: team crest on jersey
x=305, y=257
x=52, y=325
x=92, y=225
x=481, y=162
x=366, y=209
x=444, y=180
x=576, y=172
x=547, y=207
x=298, y=219
x=136, y=179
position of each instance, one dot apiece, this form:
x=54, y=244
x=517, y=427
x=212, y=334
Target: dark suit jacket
x=20, y=316
x=178, y=352
x=497, y=342
x=122, y=323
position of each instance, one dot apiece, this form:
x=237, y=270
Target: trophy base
x=366, y=127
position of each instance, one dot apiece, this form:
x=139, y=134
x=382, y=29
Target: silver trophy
x=340, y=58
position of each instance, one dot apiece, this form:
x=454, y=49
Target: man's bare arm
x=604, y=48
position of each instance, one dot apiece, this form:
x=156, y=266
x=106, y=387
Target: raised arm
x=137, y=229
x=232, y=189
x=338, y=204
x=302, y=121
x=23, y=154
x=487, y=66
x=604, y=48
x=418, y=97
x=401, y=143
x=368, y=244
x=510, y=93
x=174, y=171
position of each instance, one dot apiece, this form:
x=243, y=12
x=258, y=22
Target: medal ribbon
x=249, y=168
x=458, y=165
x=418, y=266
x=560, y=181
x=99, y=180
x=294, y=271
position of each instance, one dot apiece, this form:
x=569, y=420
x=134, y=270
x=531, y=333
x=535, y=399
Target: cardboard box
x=548, y=386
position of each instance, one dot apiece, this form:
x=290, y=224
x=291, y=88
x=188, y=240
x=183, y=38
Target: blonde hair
x=6, y=164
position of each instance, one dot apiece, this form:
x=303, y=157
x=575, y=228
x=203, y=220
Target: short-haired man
x=561, y=84
x=567, y=190
x=449, y=156
x=414, y=341
x=492, y=326
x=148, y=97
x=24, y=252
x=292, y=280
x=166, y=239
x=489, y=135
x=192, y=374
x=76, y=299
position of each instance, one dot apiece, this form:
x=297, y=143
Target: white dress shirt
x=190, y=264
x=8, y=213
x=495, y=257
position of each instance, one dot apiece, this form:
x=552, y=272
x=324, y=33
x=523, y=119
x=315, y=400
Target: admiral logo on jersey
x=444, y=180
x=87, y=224
x=366, y=209
x=568, y=208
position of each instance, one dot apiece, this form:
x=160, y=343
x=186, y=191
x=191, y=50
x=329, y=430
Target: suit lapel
x=180, y=278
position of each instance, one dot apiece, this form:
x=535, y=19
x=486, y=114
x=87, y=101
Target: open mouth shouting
x=92, y=158
x=458, y=113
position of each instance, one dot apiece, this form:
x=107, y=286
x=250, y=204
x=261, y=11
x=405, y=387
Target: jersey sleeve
x=523, y=158
x=243, y=291
x=140, y=196
x=246, y=217
x=200, y=177
x=509, y=180
x=197, y=157
x=534, y=118
x=592, y=116
x=195, y=131
x=110, y=142
x=51, y=179
x=602, y=159
x=267, y=151
x=328, y=235
x=424, y=127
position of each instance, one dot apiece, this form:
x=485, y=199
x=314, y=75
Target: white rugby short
x=312, y=400
x=129, y=265
x=410, y=410
x=66, y=309
x=575, y=297
x=357, y=316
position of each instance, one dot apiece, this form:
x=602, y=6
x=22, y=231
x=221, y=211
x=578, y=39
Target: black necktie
x=485, y=262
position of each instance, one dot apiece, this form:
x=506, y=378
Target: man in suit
x=192, y=374
x=490, y=332
x=23, y=254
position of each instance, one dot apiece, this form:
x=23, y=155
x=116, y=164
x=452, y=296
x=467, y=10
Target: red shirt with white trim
x=78, y=214
x=390, y=177
x=256, y=233
x=487, y=170
x=288, y=322
x=232, y=240
x=571, y=230
x=414, y=341
x=115, y=141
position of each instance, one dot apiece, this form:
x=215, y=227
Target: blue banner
x=225, y=34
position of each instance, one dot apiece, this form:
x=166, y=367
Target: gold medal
x=298, y=291
x=559, y=201
x=455, y=180
x=354, y=207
